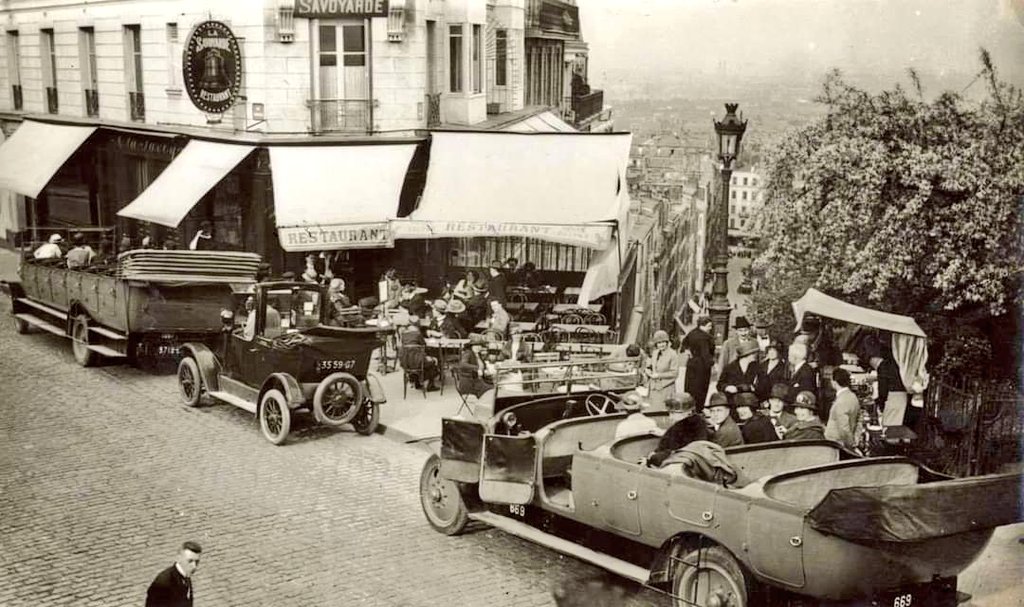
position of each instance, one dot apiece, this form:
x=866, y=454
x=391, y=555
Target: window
x=753, y=181
x=732, y=208
x=48, y=58
x=478, y=69
x=733, y=194
x=173, y=58
x=455, y=58
x=744, y=181
x=733, y=181
x=549, y=256
x=14, y=68
x=501, y=57
x=732, y=223
x=133, y=72
x=342, y=77
x=744, y=194
x=87, y=60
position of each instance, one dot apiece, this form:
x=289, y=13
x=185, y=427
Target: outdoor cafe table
x=562, y=308
x=443, y=344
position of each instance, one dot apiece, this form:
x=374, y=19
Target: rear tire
x=337, y=400
x=441, y=500
x=368, y=418
x=275, y=418
x=80, y=342
x=710, y=577
x=190, y=382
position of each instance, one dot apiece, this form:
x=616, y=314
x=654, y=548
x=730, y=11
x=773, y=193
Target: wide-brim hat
x=440, y=305
x=747, y=347
x=456, y=307
x=631, y=401
x=742, y=323
x=762, y=323
x=719, y=400
x=660, y=336
x=780, y=391
x=745, y=399
x=806, y=400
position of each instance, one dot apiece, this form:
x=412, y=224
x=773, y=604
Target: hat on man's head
x=289, y=275
x=718, y=400
x=762, y=322
x=55, y=238
x=742, y=323
x=747, y=347
x=631, y=401
x=336, y=284
x=456, y=307
x=780, y=391
x=745, y=399
x=806, y=400
x=440, y=305
x=660, y=336
x=192, y=547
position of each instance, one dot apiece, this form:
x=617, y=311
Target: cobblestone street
x=105, y=474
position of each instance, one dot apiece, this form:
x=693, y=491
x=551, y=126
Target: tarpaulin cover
x=35, y=152
x=912, y=513
x=816, y=302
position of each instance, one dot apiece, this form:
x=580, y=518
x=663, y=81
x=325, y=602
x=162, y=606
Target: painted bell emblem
x=214, y=75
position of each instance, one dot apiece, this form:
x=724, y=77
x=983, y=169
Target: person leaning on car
x=686, y=428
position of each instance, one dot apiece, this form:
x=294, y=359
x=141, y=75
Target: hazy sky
x=779, y=36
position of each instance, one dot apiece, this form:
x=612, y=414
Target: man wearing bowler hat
x=725, y=432
x=808, y=425
x=731, y=346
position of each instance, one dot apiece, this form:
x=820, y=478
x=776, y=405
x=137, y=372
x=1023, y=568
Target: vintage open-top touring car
x=283, y=357
x=814, y=523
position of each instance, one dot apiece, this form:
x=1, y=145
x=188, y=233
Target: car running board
x=43, y=307
x=604, y=561
x=35, y=321
x=105, y=351
x=231, y=399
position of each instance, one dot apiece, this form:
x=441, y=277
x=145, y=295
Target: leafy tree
x=900, y=203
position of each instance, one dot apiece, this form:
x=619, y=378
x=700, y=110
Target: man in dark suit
x=701, y=345
x=725, y=432
x=803, y=377
x=172, y=587
x=742, y=371
x=497, y=283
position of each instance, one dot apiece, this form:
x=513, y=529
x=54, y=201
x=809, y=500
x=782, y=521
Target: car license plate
x=335, y=365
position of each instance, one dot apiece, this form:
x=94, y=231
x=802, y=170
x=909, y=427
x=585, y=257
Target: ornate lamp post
x=730, y=132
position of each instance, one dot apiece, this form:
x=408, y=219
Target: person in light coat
x=845, y=412
x=661, y=372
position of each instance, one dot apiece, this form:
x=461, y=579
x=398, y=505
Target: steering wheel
x=599, y=404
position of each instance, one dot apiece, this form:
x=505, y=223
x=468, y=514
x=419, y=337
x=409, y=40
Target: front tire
x=337, y=399
x=275, y=418
x=368, y=418
x=190, y=382
x=80, y=342
x=441, y=500
x=710, y=577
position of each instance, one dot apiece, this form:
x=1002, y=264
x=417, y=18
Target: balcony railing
x=51, y=99
x=587, y=106
x=340, y=115
x=19, y=101
x=92, y=102
x=433, y=110
x=137, y=105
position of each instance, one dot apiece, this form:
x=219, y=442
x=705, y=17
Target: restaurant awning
x=338, y=196
x=35, y=152
x=192, y=173
x=816, y=302
x=559, y=187
x=544, y=122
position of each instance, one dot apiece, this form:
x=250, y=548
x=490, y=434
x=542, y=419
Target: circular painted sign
x=212, y=66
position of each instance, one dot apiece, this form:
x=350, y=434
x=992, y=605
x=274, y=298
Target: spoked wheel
x=190, y=382
x=275, y=418
x=599, y=404
x=441, y=500
x=80, y=342
x=368, y=418
x=710, y=577
x=337, y=399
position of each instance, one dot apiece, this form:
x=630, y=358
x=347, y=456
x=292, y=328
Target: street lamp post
x=730, y=132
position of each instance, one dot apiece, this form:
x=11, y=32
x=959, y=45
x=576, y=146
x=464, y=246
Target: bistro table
x=388, y=331
x=562, y=308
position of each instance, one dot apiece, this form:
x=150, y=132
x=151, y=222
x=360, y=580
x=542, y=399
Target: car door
x=508, y=469
x=462, y=445
x=775, y=539
x=607, y=493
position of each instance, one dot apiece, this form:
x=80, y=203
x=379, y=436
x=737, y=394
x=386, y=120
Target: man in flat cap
x=172, y=587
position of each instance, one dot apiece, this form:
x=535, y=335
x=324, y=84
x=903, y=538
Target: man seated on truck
x=50, y=250
x=81, y=254
x=271, y=329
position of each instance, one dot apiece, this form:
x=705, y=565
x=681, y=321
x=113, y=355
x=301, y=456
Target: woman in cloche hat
x=661, y=372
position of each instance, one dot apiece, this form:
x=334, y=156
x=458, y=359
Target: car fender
x=206, y=360
x=375, y=388
x=288, y=385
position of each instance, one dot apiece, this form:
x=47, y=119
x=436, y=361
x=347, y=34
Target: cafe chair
x=553, y=335
x=413, y=359
x=463, y=396
x=595, y=318
x=517, y=298
x=494, y=336
x=586, y=335
x=531, y=337
x=571, y=319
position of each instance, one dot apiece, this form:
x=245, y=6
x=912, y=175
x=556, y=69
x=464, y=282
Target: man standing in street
x=842, y=419
x=701, y=345
x=172, y=587
x=802, y=376
x=731, y=346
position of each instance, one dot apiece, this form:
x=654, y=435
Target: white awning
x=192, y=173
x=816, y=302
x=602, y=276
x=338, y=196
x=545, y=122
x=559, y=187
x=36, y=150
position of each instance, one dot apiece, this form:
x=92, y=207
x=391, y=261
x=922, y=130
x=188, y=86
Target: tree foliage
x=900, y=203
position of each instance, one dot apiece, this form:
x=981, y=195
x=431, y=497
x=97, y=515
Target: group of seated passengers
x=80, y=255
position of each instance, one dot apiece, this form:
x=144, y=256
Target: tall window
x=48, y=57
x=173, y=59
x=501, y=57
x=133, y=71
x=343, y=83
x=478, y=51
x=87, y=59
x=14, y=68
x=455, y=58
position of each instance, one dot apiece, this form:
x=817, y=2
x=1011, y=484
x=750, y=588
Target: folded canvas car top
x=188, y=266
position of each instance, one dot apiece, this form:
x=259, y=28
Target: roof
x=816, y=302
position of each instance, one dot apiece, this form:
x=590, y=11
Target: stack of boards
x=188, y=266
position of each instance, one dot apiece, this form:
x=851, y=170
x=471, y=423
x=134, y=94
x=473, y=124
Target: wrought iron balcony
x=92, y=102
x=340, y=115
x=587, y=106
x=51, y=99
x=137, y=104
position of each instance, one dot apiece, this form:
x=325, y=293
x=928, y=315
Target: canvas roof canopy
x=816, y=302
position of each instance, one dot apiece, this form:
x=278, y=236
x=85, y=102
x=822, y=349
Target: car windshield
x=291, y=309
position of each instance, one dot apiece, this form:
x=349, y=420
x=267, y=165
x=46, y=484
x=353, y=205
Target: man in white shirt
x=636, y=422
x=50, y=250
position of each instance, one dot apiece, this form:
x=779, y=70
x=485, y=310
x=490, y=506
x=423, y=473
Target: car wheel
x=368, y=418
x=80, y=342
x=710, y=577
x=190, y=382
x=441, y=500
x=337, y=399
x=275, y=418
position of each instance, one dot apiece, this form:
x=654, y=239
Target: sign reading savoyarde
x=333, y=9
x=212, y=66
